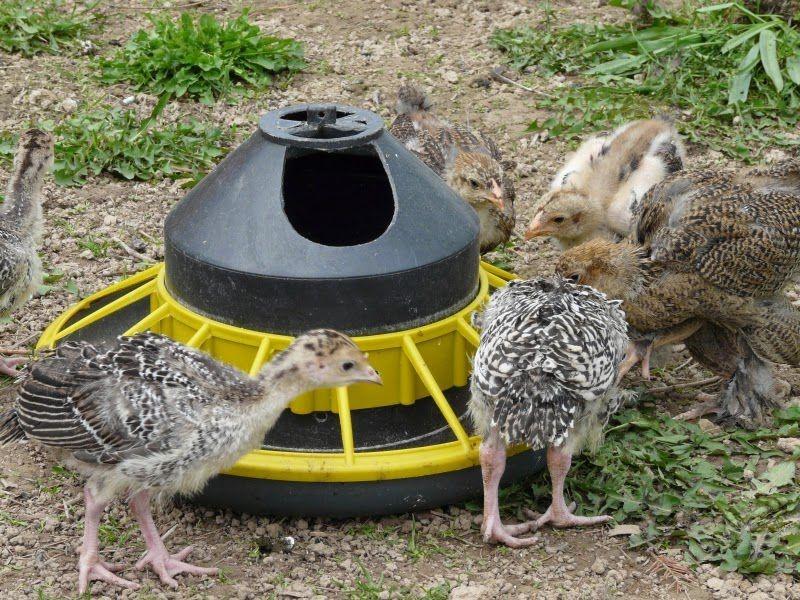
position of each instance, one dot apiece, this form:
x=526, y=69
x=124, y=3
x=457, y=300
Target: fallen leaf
x=625, y=530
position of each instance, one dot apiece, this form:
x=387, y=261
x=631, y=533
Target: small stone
x=450, y=77
x=748, y=473
x=788, y=445
x=384, y=595
x=69, y=105
x=599, y=566
x=760, y=596
x=302, y=524
x=471, y=592
x=707, y=426
x=715, y=583
x=40, y=98
x=322, y=549
x=87, y=254
x=128, y=100
x=109, y=220
x=624, y=530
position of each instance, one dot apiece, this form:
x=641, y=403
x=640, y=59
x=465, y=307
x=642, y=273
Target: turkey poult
x=544, y=375
x=21, y=228
x=154, y=417
x=467, y=160
x=713, y=254
x=594, y=194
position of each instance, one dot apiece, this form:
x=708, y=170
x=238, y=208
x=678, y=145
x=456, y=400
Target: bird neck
x=629, y=276
x=278, y=385
x=23, y=205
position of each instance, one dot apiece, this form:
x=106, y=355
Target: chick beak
x=371, y=376
x=537, y=226
x=497, y=195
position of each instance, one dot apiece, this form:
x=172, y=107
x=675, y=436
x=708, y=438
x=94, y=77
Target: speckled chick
x=711, y=250
x=544, y=375
x=468, y=160
x=21, y=228
x=595, y=192
x=154, y=417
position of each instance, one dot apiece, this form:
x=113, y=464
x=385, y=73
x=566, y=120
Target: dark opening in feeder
x=322, y=219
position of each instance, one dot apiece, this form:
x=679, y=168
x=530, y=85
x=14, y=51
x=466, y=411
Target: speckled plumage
x=544, y=375
x=716, y=247
x=21, y=221
x=468, y=160
x=545, y=370
x=152, y=416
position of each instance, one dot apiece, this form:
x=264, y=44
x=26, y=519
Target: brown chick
x=594, y=194
x=712, y=254
x=467, y=160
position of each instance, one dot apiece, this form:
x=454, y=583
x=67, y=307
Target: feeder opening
x=337, y=198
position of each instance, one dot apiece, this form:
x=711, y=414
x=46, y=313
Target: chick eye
x=473, y=183
x=346, y=366
x=574, y=278
x=558, y=219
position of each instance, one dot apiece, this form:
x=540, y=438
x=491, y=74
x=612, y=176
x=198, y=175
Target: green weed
x=201, y=58
x=115, y=141
x=33, y=27
x=733, y=75
x=693, y=489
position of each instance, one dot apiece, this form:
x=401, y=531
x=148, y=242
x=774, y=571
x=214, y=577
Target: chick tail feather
x=10, y=429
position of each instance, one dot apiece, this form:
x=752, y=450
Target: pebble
x=450, y=77
x=109, y=220
x=715, y=583
x=69, y=105
x=470, y=592
x=599, y=566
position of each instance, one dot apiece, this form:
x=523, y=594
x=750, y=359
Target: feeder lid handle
x=320, y=115
x=321, y=126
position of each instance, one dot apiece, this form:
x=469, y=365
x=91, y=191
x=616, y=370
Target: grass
x=710, y=493
x=115, y=141
x=201, y=58
x=734, y=76
x=32, y=27
x=368, y=587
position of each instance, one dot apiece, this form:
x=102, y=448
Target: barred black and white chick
x=544, y=375
x=152, y=416
x=21, y=228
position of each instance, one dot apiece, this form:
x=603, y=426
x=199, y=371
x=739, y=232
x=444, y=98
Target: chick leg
x=8, y=366
x=165, y=565
x=642, y=349
x=558, y=513
x=90, y=567
x=493, y=463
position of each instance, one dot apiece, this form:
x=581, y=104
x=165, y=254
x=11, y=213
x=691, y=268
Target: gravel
x=439, y=44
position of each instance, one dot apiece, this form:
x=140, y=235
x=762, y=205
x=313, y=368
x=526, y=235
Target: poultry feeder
x=323, y=219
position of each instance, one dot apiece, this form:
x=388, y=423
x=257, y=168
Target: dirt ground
x=360, y=52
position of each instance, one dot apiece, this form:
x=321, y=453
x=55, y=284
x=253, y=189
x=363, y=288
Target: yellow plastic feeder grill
x=323, y=219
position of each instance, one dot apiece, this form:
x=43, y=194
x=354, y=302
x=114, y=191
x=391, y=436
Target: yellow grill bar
x=411, y=350
x=345, y=424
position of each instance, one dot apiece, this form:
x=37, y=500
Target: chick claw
x=561, y=516
x=93, y=569
x=166, y=566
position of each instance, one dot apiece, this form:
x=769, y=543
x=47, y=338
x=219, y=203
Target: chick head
x=327, y=358
x=612, y=268
x=479, y=179
x=568, y=215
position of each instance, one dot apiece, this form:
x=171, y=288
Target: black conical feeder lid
x=322, y=219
